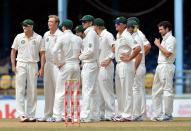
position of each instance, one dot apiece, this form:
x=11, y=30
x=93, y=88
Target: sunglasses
x=117, y=23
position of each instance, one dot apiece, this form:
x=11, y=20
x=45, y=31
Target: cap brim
x=24, y=24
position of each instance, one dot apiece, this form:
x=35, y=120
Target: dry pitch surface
x=178, y=124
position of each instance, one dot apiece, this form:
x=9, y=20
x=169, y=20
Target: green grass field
x=178, y=124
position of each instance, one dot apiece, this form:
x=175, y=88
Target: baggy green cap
x=121, y=19
x=79, y=28
x=67, y=23
x=99, y=22
x=27, y=22
x=87, y=18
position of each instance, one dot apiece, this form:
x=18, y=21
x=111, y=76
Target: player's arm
x=42, y=63
x=42, y=57
x=128, y=57
x=138, y=59
x=13, y=59
x=14, y=53
x=162, y=49
x=136, y=50
x=90, y=47
x=147, y=48
x=111, y=55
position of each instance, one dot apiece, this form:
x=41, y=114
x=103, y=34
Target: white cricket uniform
x=50, y=72
x=163, y=79
x=105, y=75
x=69, y=46
x=125, y=72
x=139, y=97
x=89, y=57
x=26, y=68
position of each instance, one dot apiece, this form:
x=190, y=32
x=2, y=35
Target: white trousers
x=68, y=72
x=139, y=98
x=26, y=84
x=50, y=77
x=163, y=84
x=124, y=78
x=107, y=97
x=89, y=104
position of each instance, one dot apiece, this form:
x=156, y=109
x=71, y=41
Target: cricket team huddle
x=61, y=53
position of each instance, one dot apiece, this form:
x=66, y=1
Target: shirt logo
x=47, y=39
x=23, y=41
x=90, y=45
x=33, y=42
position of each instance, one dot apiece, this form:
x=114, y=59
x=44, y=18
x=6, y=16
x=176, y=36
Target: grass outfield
x=178, y=124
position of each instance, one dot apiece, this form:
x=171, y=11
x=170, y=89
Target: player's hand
x=157, y=41
x=40, y=72
x=113, y=48
x=125, y=57
x=105, y=63
x=14, y=68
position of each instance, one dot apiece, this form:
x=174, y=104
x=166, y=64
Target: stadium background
x=13, y=12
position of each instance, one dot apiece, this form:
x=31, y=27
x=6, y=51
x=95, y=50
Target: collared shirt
x=106, y=40
x=169, y=43
x=69, y=46
x=124, y=44
x=28, y=48
x=50, y=41
x=90, y=50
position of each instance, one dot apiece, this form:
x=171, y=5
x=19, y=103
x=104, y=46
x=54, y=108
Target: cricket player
x=69, y=46
x=139, y=99
x=106, y=70
x=50, y=70
x=89, y=57
x=125, y=51
x=79, y=30
x=141, y=71
x=27, y=45
x=163, y=79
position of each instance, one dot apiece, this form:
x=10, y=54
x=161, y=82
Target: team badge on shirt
x=90, y=45
x=33, y=42
x=47, y=39
x=23, y=41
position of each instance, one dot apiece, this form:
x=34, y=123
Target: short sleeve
x=170, y=45
x=143, y=38
x=111, y=39
x=42, y=44
x=15, y=43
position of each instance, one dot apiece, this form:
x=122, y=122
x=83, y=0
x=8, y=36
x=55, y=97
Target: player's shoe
x=125, y=119
x=31, y=119
x=157, y=118
x=85, y=120
x=43, y=119
x=116, y=118
x=51, y=119
x=59, y=120
x=23, y=119
x=137, y=118
x=165, y=117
